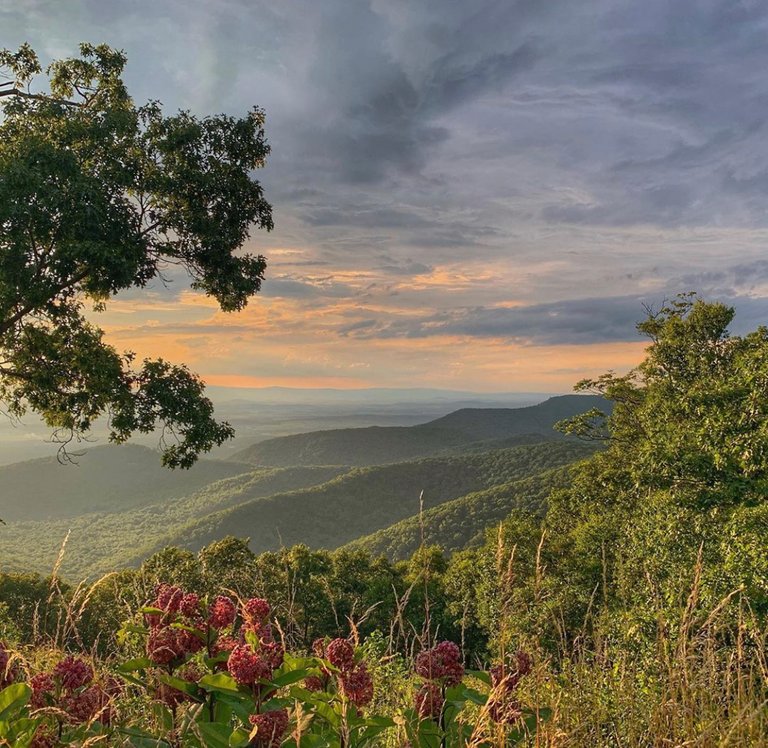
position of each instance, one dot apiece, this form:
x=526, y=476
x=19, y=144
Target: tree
x=681, y=484
x=98, y=196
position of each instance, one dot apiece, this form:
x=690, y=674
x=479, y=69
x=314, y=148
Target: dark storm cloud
x=570, y=322
x=575, y=322
x=410, y=135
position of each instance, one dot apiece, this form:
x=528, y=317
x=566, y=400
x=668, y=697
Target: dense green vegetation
x=104, y=479
x=101, y=542
x=464, y=430
x=272, y=506
x=462, y=522
x=368, y=499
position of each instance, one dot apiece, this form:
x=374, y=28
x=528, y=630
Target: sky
x=477, y=195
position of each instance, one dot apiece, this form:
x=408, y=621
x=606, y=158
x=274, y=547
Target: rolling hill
x=456, y=432
x=102, y=542
x=462, y=522
x=104, y=479
x=368, y=499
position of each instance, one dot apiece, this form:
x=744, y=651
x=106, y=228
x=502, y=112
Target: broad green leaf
x=223, y=682
x=13, y=699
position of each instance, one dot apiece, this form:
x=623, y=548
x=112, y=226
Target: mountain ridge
x=376, y=445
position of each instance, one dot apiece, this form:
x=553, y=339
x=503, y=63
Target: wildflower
x=442, y=662
x=256, y=611
x=429, y=701
x=73, y=673
x=222, y=612
x=246, y=666
x=191, y=673
x=315, y=683
x=88, y=705
x=357, y=685
x=502, y=706
x=340, y=654
x=164, y=646
x=504, y=710
x=43, y=686
x=506, y=677
x=273, y=653
x=318, y=647
x=189, y=605
x=269, y=728
x=225, y=644
x=168, y=598
x=188, y=642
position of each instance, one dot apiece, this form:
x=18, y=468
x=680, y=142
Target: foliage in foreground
x=217, y=674
x=97, y=196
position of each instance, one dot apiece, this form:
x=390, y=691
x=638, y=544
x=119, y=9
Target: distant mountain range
x=325, y=489
x=461, y=430
x=105, y=479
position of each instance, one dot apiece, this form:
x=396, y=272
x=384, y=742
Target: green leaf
x=220, y=682
x=13, y=699
x=184, y=686
x=239, y=738
x=216, y=735
x=287, y=678
x=131, y=666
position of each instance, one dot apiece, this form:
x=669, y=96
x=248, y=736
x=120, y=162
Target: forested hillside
x=102, y=542
x=456, y=432
x=365, y=500
x=102, y=479
x=462, y=522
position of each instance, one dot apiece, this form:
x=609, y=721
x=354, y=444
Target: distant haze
x=262, y=413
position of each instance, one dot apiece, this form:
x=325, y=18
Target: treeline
x=314, y=594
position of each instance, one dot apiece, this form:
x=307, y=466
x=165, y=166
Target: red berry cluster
x=503, y=706
x=269, y=728
x=440, y=667
x=352, y=679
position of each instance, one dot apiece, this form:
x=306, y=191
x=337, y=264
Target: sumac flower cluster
x=71, y=692
x=269, y=728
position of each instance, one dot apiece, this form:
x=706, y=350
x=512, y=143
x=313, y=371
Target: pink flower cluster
x=167, y=643
x=180, y=625
x=70, y=687
x=441, y=663
x=352, y=679
x=439, y=666
x=429, y=700
x=255, y=655
x=503, y=706
x=269, y=728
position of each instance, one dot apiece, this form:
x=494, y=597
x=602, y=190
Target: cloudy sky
x=468, y=194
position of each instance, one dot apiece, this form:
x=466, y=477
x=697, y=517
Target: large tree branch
x=7, y=324
x=38, y=97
